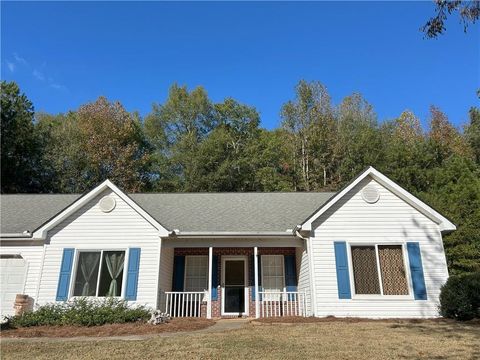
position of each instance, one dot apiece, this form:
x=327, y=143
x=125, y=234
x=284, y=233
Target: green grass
x=327, y=340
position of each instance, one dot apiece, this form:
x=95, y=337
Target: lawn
x=327, y=339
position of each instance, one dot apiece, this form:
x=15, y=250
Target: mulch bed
x=175, y=325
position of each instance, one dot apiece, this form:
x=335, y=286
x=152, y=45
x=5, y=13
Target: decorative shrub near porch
x=83, y=312
x=460, y=297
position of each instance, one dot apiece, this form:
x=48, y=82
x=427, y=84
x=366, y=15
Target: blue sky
x=65, y=54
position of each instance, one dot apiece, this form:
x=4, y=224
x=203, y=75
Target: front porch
x=226, y=282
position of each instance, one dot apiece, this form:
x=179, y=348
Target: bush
x=460, y=297
x=82, y=312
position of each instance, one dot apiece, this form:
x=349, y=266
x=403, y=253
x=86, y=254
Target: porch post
x=210, y=273
x=257, y=295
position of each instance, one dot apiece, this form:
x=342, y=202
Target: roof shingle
x=188, y=212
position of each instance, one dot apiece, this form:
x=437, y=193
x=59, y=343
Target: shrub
x=460, y=297
x=83, y=312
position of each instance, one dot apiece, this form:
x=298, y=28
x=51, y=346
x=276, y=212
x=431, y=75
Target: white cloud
x=11, y=66
x=19, y=59
x=38, y=75
x=58, y=86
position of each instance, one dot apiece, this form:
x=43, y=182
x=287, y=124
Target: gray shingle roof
x=188, y=212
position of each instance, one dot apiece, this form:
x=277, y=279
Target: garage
x=12, y=280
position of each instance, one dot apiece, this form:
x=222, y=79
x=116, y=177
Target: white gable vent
x=370, y=194
x=107, y=204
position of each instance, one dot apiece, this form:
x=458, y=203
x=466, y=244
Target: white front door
x=234, y=285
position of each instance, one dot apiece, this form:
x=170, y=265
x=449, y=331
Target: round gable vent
x=370, y=194
x=107, y=204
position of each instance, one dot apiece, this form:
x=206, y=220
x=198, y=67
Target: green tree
x=454, y=190
x=101, y=140
x=20, y=149
x=270, y=158
x=472, y=132
x=359, y=143
x=176, y=129
x=309, y=120
x=223, y=164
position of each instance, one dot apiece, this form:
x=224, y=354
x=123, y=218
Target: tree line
x=190, y=144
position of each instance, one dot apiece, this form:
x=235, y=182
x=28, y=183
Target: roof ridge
x=184, y=193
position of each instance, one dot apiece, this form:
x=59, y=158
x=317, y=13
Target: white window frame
x=75, y=269
x=380, y=296
x=283, y=272
x=187, y=257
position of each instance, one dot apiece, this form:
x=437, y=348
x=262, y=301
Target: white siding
x=33, y=257
x=90, y=228
x=303, y=272
x=390, y=220
x=165, y=277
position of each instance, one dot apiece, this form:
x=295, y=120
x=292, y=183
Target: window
x=379, y=269
x=196, y=273
x=273, y=278
x=99, y=273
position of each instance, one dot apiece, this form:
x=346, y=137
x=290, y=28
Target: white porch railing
x=184, y=304
x=278, y=304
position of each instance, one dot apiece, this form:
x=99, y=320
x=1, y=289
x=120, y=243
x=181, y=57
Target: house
x=371, y=250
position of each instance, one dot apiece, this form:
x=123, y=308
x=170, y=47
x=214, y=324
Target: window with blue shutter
x=65, y=274
x=341, y=263
x=215, y=277
x=132, y=274
x=178, y=273
x=416, y=271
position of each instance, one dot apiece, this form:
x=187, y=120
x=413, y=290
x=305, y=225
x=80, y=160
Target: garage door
x=12, y=279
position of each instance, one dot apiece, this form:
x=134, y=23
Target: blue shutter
x=290, y=273
x=214, y=277
x=178, y=273
x=260, y=289
x=65, y=274
x=132, y=274
x=343, y=277
x=416, y=271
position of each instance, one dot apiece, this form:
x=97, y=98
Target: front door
x=234, y=276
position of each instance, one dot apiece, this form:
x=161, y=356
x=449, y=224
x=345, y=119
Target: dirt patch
x=175, y=325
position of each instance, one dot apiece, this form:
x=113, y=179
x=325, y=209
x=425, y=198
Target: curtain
x=89, y=266
x=114, y=261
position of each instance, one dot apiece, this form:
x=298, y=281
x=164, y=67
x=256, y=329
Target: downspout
x=313, y=293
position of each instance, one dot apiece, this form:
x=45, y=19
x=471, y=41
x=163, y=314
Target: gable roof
x=41, y=232
x=199, y=213
x=188, y=212
x=444, y=223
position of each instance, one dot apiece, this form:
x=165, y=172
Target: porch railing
x=184, y=304
x=278, y=304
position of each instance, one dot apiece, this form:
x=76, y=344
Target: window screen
x=392, y=267
x=272, y=272
x=196, y=273
x=365, y=272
